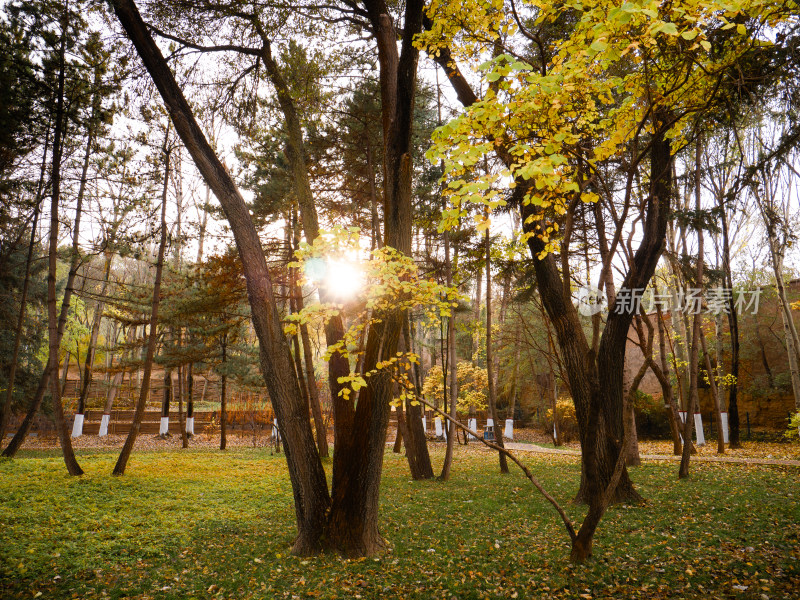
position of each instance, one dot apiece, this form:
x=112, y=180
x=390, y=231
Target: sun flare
x=344, y=279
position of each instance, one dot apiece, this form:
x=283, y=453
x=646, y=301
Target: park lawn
x=208, y=524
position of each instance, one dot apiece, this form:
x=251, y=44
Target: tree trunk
x=190, y=401
x=166, y=398
x=596, y=385
x=498, y=430
x=556, y=432
x=308, y=358
x=316, y=407
x=52, y=318
x=201, y=234
x=419, y=460
x=733, y=326
x=5, y=410
x=65, y=372
x=476, y=319
x=631, y=451
x=719, y=371
x=401, y=426
x=375, y=240
x=666, y=386
x=353, y=523
x=449, y=369
x=353, y=526
x=181, y=421
x=138, y=413
x=715, y=393
x=223, y=398
x=517, y=351
x=697, y=325
x=789, y=329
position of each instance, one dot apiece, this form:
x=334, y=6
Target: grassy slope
x=207, y=524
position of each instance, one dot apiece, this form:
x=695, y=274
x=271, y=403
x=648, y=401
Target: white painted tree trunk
x=104, y=425
x=77, y=426
x=723, y=417
x=190, y=425
x=164, y=427
x=437, y=422
x=698, y=429
x=509, y=430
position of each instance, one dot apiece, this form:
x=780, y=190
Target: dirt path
x=668, y=457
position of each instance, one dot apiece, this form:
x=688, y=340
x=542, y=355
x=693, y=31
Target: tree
x=75, y=118
x=130, y=441
x=498, y=431
x=587, y=98
x=308, y=478
x=774, y=200
x=352, y=525
x=54, y=338
x=693, y=404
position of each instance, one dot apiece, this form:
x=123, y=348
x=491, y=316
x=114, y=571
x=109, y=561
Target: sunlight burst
x=344, y=279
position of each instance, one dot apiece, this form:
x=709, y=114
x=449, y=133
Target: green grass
x=207, y=524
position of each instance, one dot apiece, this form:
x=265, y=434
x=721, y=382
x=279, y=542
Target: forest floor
x=751, y=449
x=209, y=524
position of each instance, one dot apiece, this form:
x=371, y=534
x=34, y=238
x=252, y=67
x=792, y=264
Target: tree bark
x=190, y=400
x=631, y=451
x=556, y=428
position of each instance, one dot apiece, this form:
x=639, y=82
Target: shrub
x=567, y=421
x=652, y=420
x=793, y=432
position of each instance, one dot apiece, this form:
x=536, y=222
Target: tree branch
x=567, y=523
